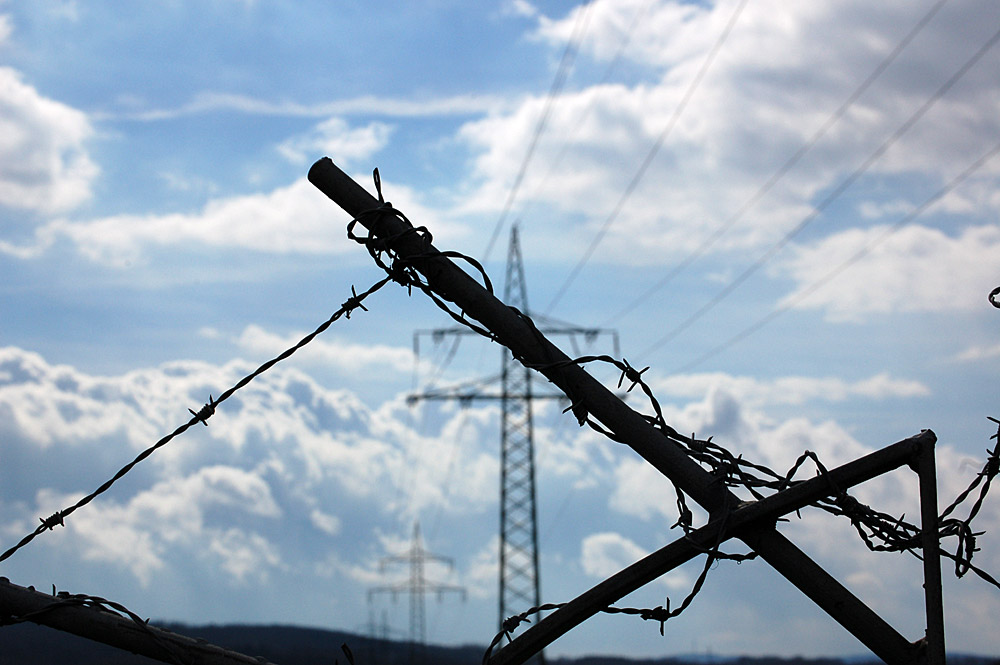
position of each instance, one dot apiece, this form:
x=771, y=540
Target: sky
x=786, y=210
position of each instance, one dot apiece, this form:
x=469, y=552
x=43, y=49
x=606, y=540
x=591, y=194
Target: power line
x=853, y=259
x=644, y=166
x=787, y=166
x=565, y=64
x=830, y=198
x=579, y=123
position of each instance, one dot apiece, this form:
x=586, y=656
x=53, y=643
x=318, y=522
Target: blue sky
x=159, y=240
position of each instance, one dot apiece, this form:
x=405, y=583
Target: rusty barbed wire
x=66, y=599
x=201, y=416
x=659, y=614
x=879, y=531
x=401, y=270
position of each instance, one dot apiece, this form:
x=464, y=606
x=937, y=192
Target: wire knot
x=660, y=614
x=579, y=410
x=510, y=624
x=205, y=412
x=399, y=272
x=53, y=520
x=850, y=506
x=993, y=297
x=992, y=467
x=352, y=303
x=632, y=374
x=686, y=518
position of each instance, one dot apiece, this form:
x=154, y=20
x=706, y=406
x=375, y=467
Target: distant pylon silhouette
x=416, y=586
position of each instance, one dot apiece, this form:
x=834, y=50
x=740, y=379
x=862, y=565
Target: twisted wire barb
x=200, y=416
x=402, y=270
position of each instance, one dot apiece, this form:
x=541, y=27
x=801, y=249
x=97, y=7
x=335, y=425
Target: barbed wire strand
x=733, y=471
x=201, y=416
x=879, y=531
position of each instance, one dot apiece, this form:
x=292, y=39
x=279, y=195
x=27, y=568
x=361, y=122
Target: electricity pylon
x=519, y=574
x=417, y=586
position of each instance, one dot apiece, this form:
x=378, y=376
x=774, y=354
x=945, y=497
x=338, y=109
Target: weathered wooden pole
x=453, y=284
x=933, y=595
x=747, y=516
x=113, y=629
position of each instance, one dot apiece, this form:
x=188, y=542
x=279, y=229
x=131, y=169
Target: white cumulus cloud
x=915, y=269
x=606, y=553
x=755, y=108
x=337, y=139
x=44, y=163
x=789, y=389
x=294, y=219
x=346, y=357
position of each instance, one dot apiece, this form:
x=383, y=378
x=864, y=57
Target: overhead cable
x=786, y=167
x=578, y=124
x=565, y=64
x=794, y=300
x=644, y=166
x=832, y=196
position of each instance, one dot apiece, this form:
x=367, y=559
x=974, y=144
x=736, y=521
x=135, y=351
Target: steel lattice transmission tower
x=519, y=578
x=416, y=586
x=519, y=570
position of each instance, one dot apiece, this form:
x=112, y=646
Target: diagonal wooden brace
x=755, y=515
x=452, y=284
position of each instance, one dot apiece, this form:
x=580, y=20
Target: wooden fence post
x=113, y=629
x=451, y=283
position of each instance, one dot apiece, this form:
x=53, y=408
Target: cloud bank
x=293, y=479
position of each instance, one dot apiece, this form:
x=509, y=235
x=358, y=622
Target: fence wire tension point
x=408, y=256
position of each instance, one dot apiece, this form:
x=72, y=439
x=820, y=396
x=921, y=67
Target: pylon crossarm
x=415, y=262
x=72, y=614
x=752, y=516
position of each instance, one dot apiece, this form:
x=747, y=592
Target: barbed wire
x=659, y=614
x=355, y=301
x=879, y=531
x=402, y=270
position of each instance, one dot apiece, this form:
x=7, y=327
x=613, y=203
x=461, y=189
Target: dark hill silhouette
x=29, y=644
